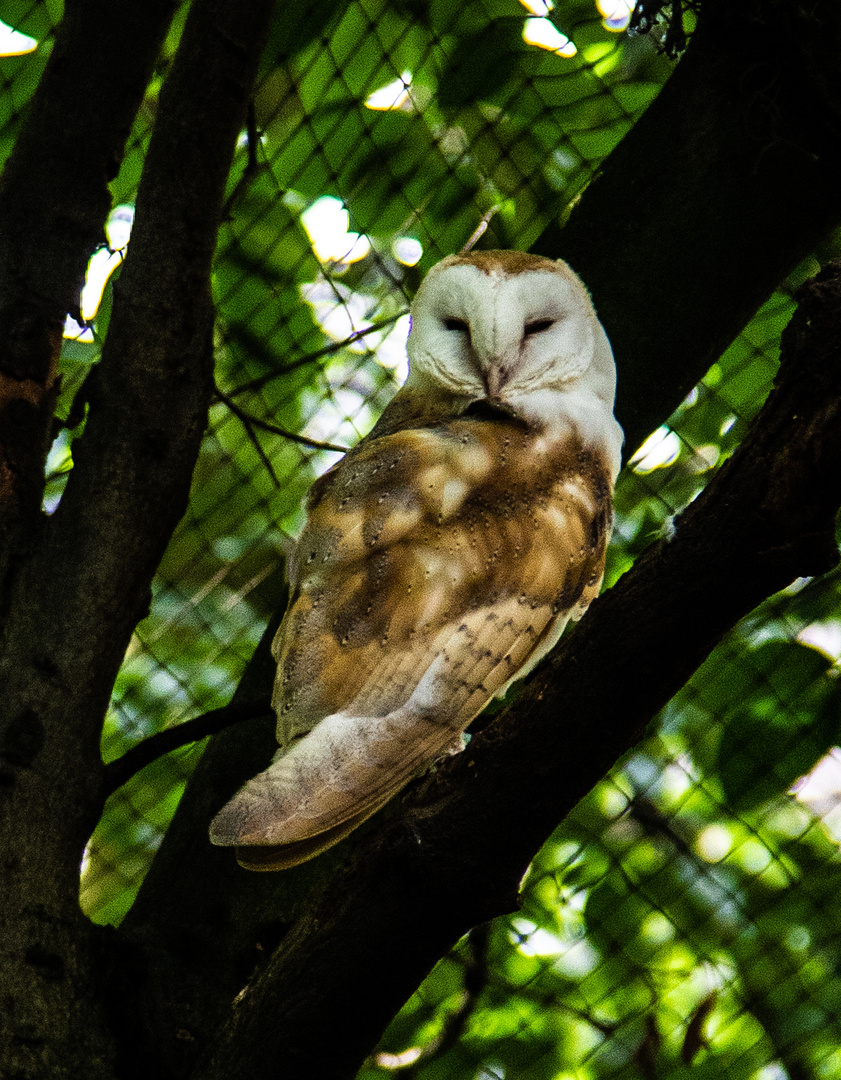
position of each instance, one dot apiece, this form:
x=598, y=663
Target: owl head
x=513, y=329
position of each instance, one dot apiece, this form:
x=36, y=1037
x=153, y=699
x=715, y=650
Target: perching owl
x=443, y=556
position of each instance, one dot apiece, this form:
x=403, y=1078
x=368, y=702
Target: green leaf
x=37, y=20
x=781, y=729
x=482, y=63
x=296, y=24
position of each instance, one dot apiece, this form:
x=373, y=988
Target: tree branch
x=264, y=425
x=157, y=996
x=308, y=358
x=476, y=978
x=454, y=853
x=252, y=166
x=249, y=423
x=122, y=769
x=87, y=585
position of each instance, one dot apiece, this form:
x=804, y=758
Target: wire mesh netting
x=685, y=916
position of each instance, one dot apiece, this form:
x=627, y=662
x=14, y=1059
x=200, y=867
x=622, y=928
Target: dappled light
x=326, y=222
x=395, y=95
x=103, y=263
x=713, y=843
x=540, y=8
x=544, y=34
x=407, y=250
x=15, y=43
x=617, y=14
x=659, y=450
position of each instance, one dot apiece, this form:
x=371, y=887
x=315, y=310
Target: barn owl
x=443, y=556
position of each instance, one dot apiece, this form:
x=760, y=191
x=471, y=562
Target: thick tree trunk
x=54, y=198
x=53, y=202
x=74, y=596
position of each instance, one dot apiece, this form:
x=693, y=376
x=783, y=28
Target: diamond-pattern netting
x=685, y=917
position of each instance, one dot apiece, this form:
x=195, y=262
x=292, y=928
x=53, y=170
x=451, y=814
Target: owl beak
x=494, y=379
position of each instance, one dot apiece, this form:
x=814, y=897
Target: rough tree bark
x=738, y=146
x=75, y=590
x=54, y=198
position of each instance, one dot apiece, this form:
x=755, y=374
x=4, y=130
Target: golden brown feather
x=440, y=560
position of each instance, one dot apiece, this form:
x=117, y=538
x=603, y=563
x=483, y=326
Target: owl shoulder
x=404, y=476
x=421, y=403
x=412, y=432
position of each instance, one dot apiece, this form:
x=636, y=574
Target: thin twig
x=123, y=768
x=252, y=166
x=551, y=1001
x=480, y=229
x=248, y=423
x=309, y=358
x=254, y=421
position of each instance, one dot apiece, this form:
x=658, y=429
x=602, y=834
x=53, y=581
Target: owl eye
x=458, y=325
x=537, y=327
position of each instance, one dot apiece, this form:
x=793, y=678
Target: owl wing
x=438, y=565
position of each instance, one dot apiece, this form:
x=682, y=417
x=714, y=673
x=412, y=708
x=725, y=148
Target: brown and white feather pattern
x=442, y=557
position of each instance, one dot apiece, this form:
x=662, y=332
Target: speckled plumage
x=442, y=556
